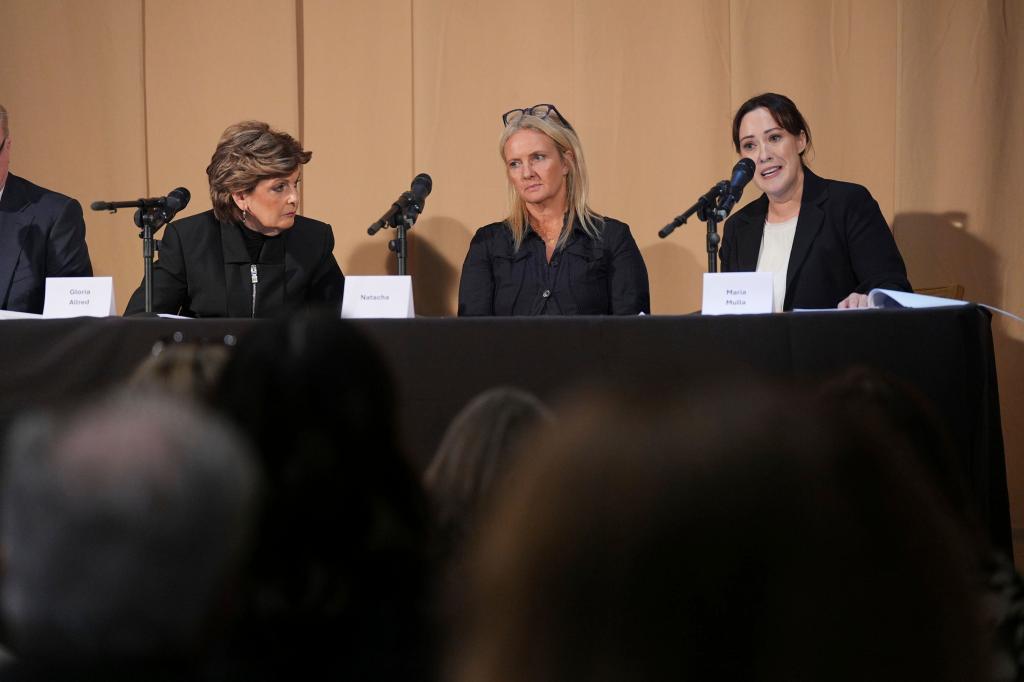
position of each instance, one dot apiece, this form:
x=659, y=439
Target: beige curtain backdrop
x=920, y=100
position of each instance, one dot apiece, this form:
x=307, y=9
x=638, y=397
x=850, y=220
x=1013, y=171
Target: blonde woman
x=553, y=255
x=252, y=255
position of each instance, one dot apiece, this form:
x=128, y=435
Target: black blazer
x=842, y=245
x=606, y=276
x=42, y=234
x=204, y=270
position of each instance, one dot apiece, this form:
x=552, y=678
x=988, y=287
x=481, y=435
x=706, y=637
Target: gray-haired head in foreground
x=120, y=523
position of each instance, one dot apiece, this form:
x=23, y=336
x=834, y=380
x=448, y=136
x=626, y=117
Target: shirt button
x=547, y=292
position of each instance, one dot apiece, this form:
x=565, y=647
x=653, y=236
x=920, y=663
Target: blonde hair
x=248, y=152
x=4, y=122
x=577, y=182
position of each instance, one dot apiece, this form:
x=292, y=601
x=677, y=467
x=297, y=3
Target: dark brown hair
x=782, y=110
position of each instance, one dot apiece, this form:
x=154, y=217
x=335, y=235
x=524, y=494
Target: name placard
x=378, y=296
x=737, y=293
x=79, y=297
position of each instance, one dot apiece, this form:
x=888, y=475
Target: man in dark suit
x=42, y=234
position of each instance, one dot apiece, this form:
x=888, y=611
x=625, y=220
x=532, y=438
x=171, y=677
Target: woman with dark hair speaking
x=553, y=255
x=825, y=241
x=252, y=255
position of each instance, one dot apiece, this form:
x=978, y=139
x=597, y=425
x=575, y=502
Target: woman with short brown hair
x=252, y=255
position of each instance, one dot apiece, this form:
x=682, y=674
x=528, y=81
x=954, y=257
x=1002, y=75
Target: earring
x=244, y=215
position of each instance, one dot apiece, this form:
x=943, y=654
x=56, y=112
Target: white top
x=776, y=245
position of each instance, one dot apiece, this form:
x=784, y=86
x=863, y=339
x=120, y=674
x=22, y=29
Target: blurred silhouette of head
x=122, y=525
x=863, y=393
x=337, y=576
x=479, y=448
x=751, y=535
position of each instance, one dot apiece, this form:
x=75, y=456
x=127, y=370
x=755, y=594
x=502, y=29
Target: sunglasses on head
x=538, y=110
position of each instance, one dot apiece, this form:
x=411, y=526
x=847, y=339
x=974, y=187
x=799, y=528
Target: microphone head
x=742, y=172
x=421, y=185
x=178, y=199
x=98, y=206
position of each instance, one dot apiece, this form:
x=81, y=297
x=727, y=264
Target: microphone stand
x=400, y=244
x=707, y=210
x=150, y=216
x=149, y=221
x=402, y=224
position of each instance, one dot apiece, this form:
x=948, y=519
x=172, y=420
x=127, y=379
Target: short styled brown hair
x=248, y=152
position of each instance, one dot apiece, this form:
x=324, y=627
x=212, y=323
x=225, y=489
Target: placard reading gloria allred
x=79, y=297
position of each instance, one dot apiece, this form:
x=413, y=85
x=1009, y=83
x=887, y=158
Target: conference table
x=439, y=364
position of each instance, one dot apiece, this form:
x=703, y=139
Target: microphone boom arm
x=700, y=207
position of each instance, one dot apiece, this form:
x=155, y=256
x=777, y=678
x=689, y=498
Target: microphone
x=421, y=186
x=742, y=173
x=409, y=203
x=174, y=201
x=152, y=213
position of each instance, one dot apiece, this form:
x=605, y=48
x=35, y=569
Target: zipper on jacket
x=255, y=277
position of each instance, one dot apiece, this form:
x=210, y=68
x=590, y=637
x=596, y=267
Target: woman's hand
x=854, y=300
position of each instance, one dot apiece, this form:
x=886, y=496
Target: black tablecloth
x=440, y=364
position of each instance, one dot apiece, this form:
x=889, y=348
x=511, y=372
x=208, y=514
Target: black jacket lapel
x=808, y=225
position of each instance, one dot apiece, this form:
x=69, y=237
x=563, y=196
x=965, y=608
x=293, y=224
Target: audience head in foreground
x=339, y=571
x=478, y=450
x=720, y=539
x=121, y=526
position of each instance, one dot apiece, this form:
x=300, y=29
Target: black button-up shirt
x=604, y=276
